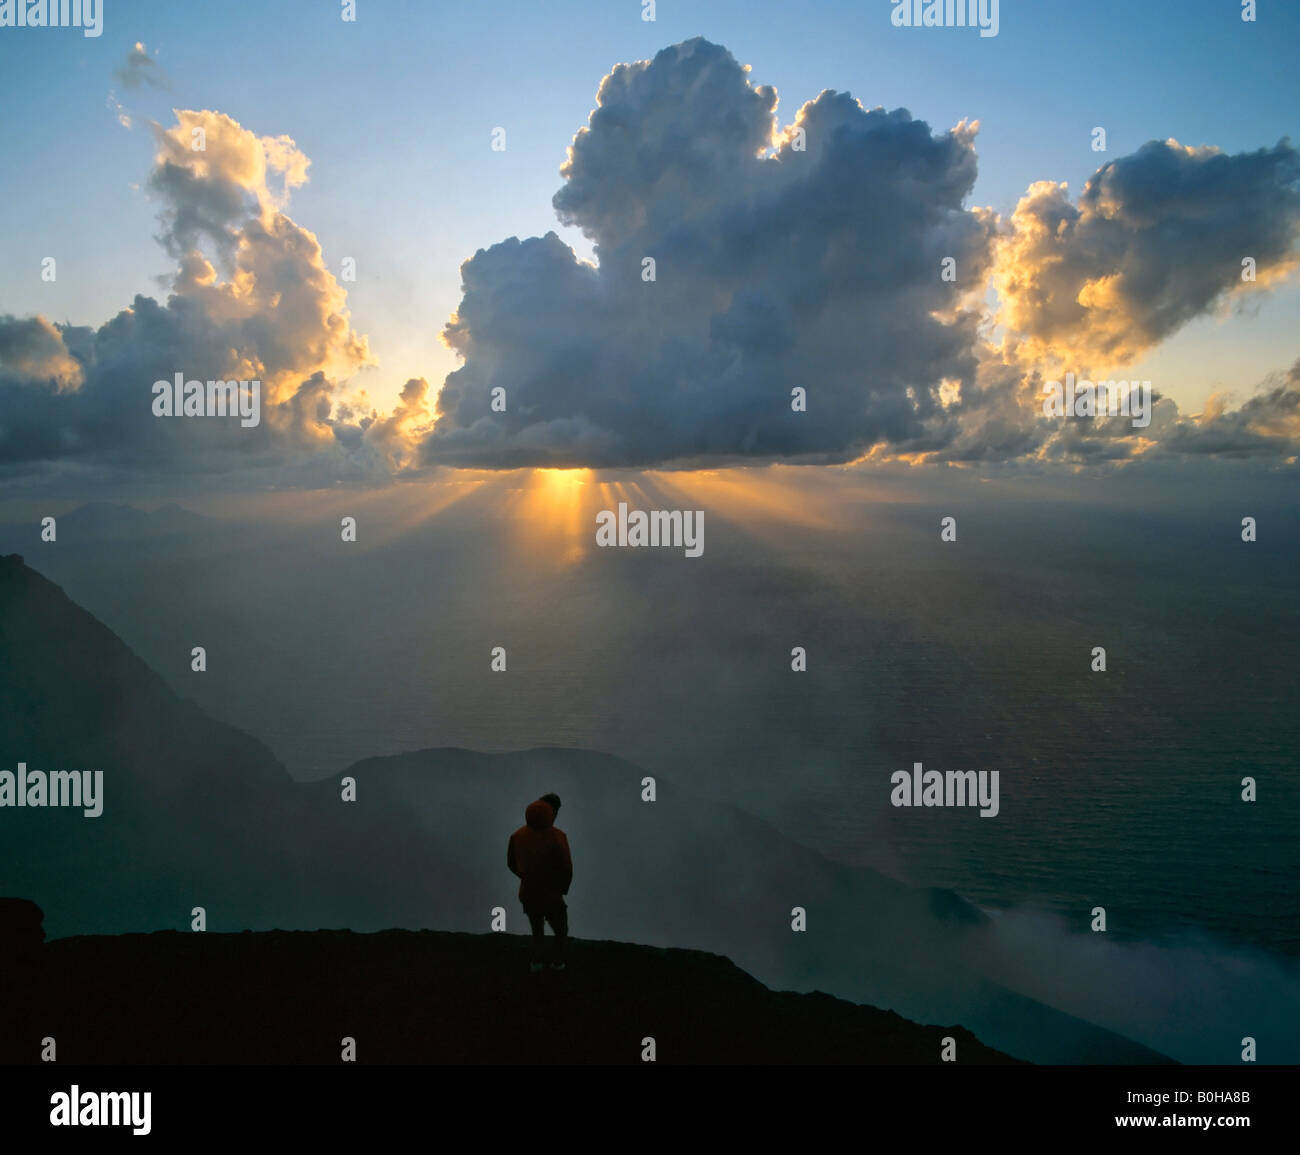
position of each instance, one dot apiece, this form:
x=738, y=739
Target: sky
x=874, y=247
x=391, y=119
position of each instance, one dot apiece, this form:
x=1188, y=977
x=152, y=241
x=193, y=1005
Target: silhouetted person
x=539, y=854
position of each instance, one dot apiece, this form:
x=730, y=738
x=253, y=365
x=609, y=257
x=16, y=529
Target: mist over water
x=1119, y=790
x=1189, y=995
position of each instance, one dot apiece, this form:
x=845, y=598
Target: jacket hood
x=539, y=815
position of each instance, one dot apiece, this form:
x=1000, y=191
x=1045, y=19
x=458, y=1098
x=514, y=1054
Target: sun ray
x=548, y=513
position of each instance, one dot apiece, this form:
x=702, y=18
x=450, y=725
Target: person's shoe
x=534, y=967
x=559, y=966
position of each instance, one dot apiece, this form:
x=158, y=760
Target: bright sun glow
x=549, y=512
x=562, y=482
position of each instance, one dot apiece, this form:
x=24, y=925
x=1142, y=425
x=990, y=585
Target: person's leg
x=559, y=920
x=537, y=921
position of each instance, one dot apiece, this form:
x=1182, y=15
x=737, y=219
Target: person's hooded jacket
x=539, y=854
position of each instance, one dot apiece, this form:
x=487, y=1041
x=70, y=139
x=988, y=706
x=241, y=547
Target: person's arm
x=510, y=858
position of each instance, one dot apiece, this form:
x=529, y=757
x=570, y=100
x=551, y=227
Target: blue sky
x=395, y=112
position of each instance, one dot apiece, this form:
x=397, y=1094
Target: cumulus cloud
x=250, y=299
x=810, y=256
x=806, y=257
x=1156, y=239
x=397, y=437
x=1267, y=425
x=32, y=352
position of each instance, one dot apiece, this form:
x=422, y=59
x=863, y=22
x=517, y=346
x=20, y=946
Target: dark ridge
x=432, y=997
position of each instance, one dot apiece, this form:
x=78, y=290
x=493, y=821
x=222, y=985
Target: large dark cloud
x=820, y=267
x=816, y=267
